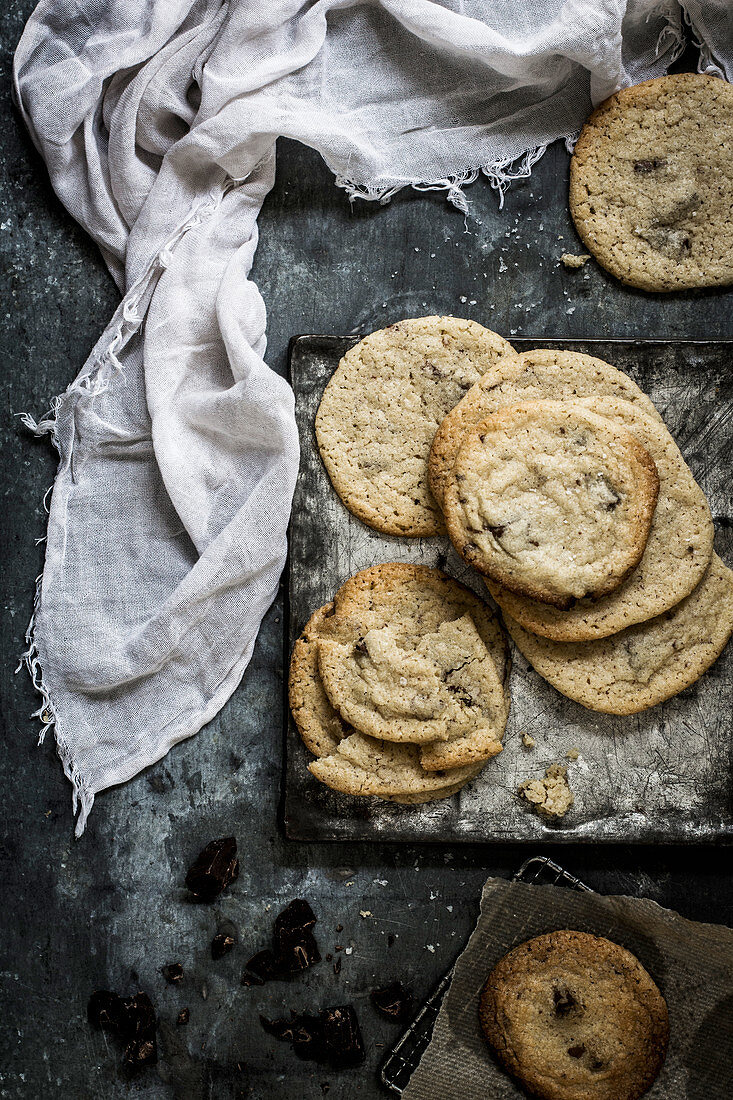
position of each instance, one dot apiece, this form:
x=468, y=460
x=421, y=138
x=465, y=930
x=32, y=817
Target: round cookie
x=538, y=375
x=364, y=766
x=446, y=688
x=575, y=1017
x=322, y=729
x=677, y=554
x=380, y=411
x=414, y=602
x=551, y=501
x=646, y=664
x=651, y=183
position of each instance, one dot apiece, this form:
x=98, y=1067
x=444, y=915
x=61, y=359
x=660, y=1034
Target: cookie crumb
x=551, y=796
x=569, y=260
x=572, y=754
x=528, y=740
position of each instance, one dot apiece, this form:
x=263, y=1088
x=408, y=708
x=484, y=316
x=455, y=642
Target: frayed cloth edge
x=105, y=366
x=82, y=797
x=707, y=62
x=500, y=174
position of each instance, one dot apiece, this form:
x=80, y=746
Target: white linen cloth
x=178, y=449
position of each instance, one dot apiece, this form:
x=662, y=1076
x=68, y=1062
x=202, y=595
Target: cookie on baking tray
x=383, y=621
x=677, y=553
x=551, y=501
x=538, y=375
x=645, y=664
x=574, y=1016
x=322, y=730
x=380, y=410
x=651, y=183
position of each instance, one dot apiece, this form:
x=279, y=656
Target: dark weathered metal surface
x=109, y=910
x=663, y=775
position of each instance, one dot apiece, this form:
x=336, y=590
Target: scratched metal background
x=660, y=776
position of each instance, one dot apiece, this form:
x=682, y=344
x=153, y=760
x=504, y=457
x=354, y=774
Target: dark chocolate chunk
x=337, y=966
x=225, y=939
x=183, y=1017
x=294, y=945
x=251, y=979
x=265, y=966
x=141, y=1049
x=564, y=1002
x=173, y=973
x=342, y=1041
x=393, y=1002
x=497, y=530
x=215, y=868
x=105, y=1010
x=644, y=167
x=333, y=1036
x=674, y=243
x=361, y=647
x=132, y=1020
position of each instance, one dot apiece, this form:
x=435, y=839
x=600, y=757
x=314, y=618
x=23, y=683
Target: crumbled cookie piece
x=528, y=740
x=551, y=796
x=572, y=261
x=572, y=754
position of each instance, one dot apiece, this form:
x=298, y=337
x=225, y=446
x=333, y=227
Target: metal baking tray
x=402, y=1061
x=662, y=776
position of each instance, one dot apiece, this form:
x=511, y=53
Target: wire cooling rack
x=402, y=1060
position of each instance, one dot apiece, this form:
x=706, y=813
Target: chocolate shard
x=297, y=916
x=132, y=1020
x=225, y=940
x=183, y=1017
x=265, y=966
x=342, y=1041
x=394, y=1002
x=141, y=1049
x=173, y=973
x=215, y=868
x=106, y=1010
x=251, y=979
x=333, y=1036
x=303, y=1031
x=294, y=945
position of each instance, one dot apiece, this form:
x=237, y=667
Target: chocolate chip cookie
x=677, y=553
x=551, y=501
x=574, y=1016
x=651, y=183
x=363, y=765
x=538, y=375
x=646, y=664
x=380, y=411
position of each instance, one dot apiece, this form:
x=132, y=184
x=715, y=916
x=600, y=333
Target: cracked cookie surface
x=442, y=686
x=420, y=601
x=645, y=664
x=538, y=375
x=677, y=553
x=651, y=183
x=574, y=1016
x=380, y=411
x=551, y=501
x=363, y=765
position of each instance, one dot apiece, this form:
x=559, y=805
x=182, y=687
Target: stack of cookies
x=556, y=479
x=560, y=483
x=399, y=687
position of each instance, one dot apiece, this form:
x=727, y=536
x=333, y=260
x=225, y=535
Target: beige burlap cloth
x=691, y=963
